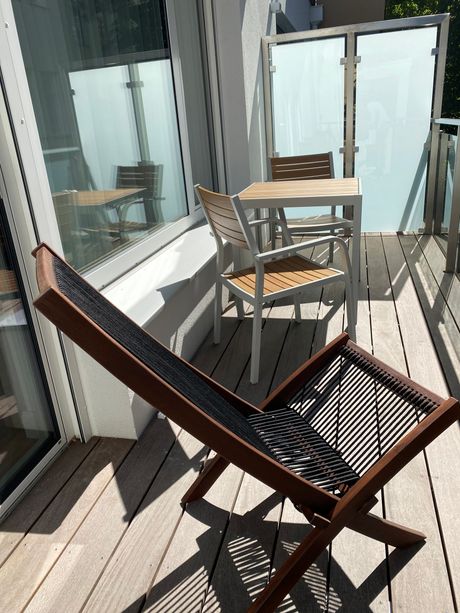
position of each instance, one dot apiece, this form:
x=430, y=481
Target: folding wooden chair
x=290, y=441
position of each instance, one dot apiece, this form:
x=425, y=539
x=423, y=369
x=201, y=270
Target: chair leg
x=239, y=308
x=256, y=336
x=331, y=249
x=292, y=570
x=297, y=312
x=217, y=311
x=386, y=531
x=351, y=309
x=206, y=479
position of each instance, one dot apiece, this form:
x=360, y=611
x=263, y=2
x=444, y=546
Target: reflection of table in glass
x=313, y=192
x=107, y=197
x=88, y=231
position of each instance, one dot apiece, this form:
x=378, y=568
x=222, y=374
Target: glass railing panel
x=308, y=101
x=394, y=93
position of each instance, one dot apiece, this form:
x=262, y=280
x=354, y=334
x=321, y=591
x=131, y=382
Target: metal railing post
x=452, y=239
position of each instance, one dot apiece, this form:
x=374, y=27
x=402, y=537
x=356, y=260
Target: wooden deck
x=103, y=529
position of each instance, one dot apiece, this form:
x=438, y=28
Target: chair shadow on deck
x=231, y=583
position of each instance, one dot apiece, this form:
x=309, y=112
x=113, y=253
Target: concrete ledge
x=144, y=292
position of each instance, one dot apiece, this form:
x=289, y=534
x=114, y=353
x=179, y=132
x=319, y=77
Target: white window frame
x=33, y=163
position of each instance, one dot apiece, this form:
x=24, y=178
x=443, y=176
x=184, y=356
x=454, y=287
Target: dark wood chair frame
x=327, y=512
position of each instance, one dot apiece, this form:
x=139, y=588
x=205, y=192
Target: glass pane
x=308, y=101
x=394, y=92
x=102, y=88
x=28, y=428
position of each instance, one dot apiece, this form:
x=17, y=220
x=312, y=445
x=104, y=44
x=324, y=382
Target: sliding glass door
x=29, y=428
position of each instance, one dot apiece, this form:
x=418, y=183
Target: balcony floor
x=103, y=529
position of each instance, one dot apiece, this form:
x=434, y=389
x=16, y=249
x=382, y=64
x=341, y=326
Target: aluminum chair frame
x=228, y=221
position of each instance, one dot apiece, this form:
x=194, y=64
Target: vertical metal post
x=135, y=85
x=435, y=129
x=452, y=240
x=349, y=105
x=266, y=58
x=441, y=182
x=349, y=145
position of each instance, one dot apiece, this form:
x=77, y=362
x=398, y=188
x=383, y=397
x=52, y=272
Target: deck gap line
x=387, y=554
x=221, y=544
x=382, y=491
x=23, y=498
x=275, y=540
x=390, y=282
x=441, y=533
x=34, y=592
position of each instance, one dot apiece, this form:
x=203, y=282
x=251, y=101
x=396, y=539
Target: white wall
x=239, y=27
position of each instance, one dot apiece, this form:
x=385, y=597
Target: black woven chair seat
x=298, y=446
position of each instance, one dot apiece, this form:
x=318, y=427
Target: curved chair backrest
x=299, y=167
x=195, y=402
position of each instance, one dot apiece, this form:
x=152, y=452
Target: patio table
x=309, y=193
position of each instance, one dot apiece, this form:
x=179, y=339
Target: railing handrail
x=447, y=122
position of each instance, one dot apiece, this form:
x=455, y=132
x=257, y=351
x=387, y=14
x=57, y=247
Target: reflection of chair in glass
x=328, y=438
x=276, y=274
x=301, y=167
x=149, y=179
x=84, y=234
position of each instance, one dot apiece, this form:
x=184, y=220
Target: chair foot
x=386, y=531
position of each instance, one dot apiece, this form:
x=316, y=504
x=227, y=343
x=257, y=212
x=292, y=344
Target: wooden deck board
x=28, y=565
x=412, y=483
x=15, y=527
x=358, y=582
x=78, y=568
x=84, y=543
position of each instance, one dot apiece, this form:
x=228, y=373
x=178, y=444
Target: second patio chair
x=301, y=167
x=275, y=274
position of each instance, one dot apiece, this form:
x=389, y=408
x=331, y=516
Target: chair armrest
x=259, y=222
x=284, y=252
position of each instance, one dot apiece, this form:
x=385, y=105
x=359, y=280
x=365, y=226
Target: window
x=106, y=104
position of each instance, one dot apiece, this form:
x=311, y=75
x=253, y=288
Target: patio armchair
x=329, y=437
x=278, y=273
x=299, y=167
